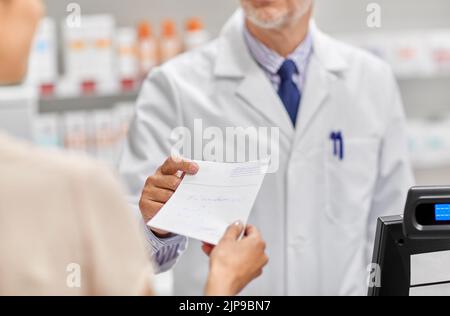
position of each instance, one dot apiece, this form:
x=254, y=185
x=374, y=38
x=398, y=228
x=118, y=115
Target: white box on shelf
x=128, y=61
x=410, y=55
x=440, y=51
x=76, y=53
x=90, y=49
x=43, y=62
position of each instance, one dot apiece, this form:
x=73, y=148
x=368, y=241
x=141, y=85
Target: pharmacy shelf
x=411, y=87
x=57, y=104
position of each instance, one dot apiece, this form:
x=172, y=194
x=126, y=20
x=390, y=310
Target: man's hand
x=235, y=263
x=160, y=187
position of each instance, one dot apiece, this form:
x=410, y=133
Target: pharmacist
x=342, y=152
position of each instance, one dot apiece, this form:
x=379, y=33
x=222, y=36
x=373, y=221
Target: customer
x=64, y=226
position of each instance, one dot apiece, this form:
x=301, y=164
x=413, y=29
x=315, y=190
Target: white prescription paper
x=205, y=204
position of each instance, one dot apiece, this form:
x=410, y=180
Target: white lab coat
x=317, y=213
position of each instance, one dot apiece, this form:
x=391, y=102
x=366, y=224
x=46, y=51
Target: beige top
x=65, y=228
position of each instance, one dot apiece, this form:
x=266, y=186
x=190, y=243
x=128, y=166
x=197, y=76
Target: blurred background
x=84, y=78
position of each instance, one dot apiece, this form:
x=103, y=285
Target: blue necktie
x=288, y=91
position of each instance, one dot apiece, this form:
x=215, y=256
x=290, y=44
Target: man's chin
x=267, y=19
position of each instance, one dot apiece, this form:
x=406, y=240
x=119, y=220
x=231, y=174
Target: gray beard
x=278, y=22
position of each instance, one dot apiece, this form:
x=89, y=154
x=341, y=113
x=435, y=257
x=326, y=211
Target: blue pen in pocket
x=338, y=144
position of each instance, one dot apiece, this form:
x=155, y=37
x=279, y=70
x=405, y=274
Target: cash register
x=412, y=252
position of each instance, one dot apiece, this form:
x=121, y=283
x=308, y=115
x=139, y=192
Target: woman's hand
x=235, y=263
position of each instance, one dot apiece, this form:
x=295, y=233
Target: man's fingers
x=170, y=182
x=149, y=208
x=233, y=232
x=157, y=194
x=172, y=165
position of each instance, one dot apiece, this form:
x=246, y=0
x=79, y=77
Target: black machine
x=423, y=229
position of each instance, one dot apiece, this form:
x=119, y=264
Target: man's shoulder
x=369, y=76
x=197, y=62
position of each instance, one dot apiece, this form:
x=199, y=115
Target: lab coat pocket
x=350, y=181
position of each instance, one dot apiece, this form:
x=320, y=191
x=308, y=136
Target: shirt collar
x=271, y=61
